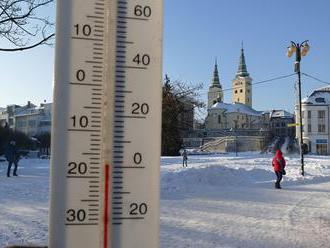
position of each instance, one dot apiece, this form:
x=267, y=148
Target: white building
x=29, y=119
x=239, y=114
x=316, y=122
x=3, y=117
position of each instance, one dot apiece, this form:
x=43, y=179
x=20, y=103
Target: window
x=321, y=128
x=32, y=123
x=302, y=114
x=235, y=91
x=309, y=114
x=309, y=128
x=45, y=123
x=219, y=119
x=319, y=99
x=283, y=124
x=21, y=124
x=321, y=149
x=321, y=114
x=248, y=91
x=241, y=90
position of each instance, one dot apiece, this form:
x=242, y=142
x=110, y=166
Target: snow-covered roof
x=236, y=108
x=280, y=114
x=319, y=96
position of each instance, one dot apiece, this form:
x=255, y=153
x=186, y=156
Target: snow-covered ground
x=218, y=201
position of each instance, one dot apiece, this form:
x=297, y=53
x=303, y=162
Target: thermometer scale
x=106, y=124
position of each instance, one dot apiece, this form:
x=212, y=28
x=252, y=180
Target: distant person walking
x=184, y=158
x=12, y=156
x=279, y=165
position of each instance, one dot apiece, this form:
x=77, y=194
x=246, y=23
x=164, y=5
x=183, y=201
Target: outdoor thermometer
x=106, y=124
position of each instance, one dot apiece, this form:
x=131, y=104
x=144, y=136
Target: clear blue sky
x=198, y=31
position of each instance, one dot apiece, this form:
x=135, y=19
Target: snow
x=236, y=108
x=24, y=203
x=317, y=95
x=218, y=201
x=280, y=114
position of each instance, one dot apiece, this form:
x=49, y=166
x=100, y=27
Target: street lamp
x=300, y=50
x=262, y=139
x=232, y=132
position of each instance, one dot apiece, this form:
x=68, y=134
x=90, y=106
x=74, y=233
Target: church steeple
x=216, y=80
x=242, y=83
x=242, y=71
x=215, y=93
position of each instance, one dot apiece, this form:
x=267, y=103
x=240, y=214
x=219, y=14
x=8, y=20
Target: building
x=7, y=115
x=3, y=117
x=215, y=93
x=237, y=126
x=279, y=121
x=29, y=119
x=316, y=122
x=236, y=115
x=241, y=84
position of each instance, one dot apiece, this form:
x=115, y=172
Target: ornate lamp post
x=262, y=139
x=300, y=50
x=233, y=131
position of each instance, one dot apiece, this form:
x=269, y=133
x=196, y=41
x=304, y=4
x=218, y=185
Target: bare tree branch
x=23, y=24
x=27, y=47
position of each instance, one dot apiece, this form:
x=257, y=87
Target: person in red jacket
x=279, y=165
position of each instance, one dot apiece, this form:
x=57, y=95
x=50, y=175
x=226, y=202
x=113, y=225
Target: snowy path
x=240, y=208
x=218, y=201
x=24, y=204
x=248, y=217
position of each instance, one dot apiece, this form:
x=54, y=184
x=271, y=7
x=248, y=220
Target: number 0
x=137, y=158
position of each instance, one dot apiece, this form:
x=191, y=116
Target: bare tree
x=24, y=25
x=179, y=102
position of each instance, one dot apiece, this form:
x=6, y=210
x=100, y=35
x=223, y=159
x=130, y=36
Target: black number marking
x=140, y=109
x=83, y=121
x=144, y=59
x=75, y=168
x=80, y=75
x=137, y=158
x=138, y=209
x=73, y=215
x=142, y=11
x=85, y=30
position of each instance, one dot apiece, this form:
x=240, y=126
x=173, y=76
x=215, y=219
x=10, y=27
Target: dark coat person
x=184, y=158
x=279, y=165
x=12, y=156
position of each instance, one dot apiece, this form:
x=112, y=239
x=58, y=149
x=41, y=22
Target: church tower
x=215, y=93
x=242, y=88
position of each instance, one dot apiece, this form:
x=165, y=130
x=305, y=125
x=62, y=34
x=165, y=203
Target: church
x=236, y=115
